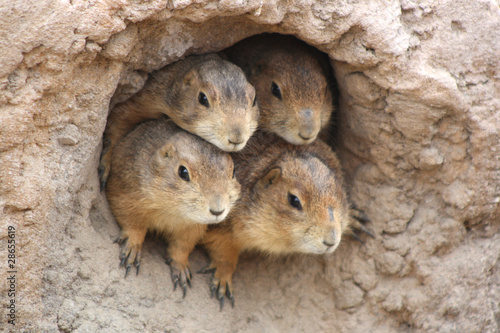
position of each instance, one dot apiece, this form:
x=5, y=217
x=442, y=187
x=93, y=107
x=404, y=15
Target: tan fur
x=228, y=122
x=146, y=193
x=263, y=219
x=303, y=75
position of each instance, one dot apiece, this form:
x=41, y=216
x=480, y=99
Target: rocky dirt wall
x=418, y=136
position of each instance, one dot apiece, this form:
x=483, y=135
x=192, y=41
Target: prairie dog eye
x=254, y=101
x=203, y=100
x=184, y=173
x=294, y=201
x=234, y=172
x=276, y=91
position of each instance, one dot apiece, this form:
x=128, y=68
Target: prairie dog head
x=191, y=179
x=165, y=176
x=214, y=100
x=294, y=97
x=298, y=205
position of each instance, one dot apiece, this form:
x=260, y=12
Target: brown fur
x=269, y=169
x=304, y=77
x=228, y=121
x=146, y=192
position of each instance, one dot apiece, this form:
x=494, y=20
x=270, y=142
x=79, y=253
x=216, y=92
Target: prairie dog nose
x=329, y=240
x=217, y=206
x=217, y=213
x=235, y=137
x=304, y=138
x=307, y=125
x=328, y=244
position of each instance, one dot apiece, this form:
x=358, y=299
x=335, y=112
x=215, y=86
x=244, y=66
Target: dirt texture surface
x=418, y=136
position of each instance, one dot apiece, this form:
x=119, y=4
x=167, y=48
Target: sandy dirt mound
x=418, y=136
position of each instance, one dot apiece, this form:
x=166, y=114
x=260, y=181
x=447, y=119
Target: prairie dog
x=292, y=81
x=167, y=180
x=292, y=201
x=205, y=95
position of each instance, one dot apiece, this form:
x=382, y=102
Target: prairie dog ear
x=168, y=150
x=271, y=177
x=256, y=69
x=190, y=78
